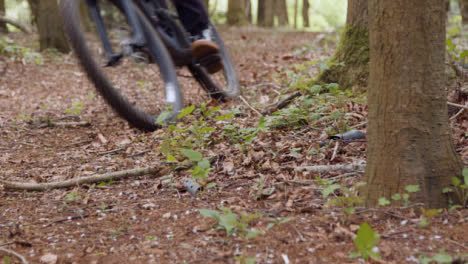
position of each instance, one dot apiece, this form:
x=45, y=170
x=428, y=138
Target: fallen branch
x=10, y=252
x=327, y=168
x=82, y=180
x=283, y=103
x=458, y=105
x=16, y=24
x=249, y=106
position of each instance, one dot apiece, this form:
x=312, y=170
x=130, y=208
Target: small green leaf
x=209, y=213
x=253, y=233
x=171, y=158
x=366, y=240
x=455, y=181
x=163, y=116
x=412, y=188
x=383, y=201
x=250, y=260
x=465, y=175
x=330, y=189
x=269, y=226
x=228, y=221
x=442, y=258
x=186, y=111
x=447, y=190
x=193, y=155
x=204, y=164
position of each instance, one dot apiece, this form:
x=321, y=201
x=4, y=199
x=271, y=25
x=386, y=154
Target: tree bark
x=269, y=12
x=409, y=139
x=236, y=13
x=463, y=5
x=33, y=6
x=3, y=27
x=296, y=12
x=50, y=27
x=305, y=13
x=261, y=13
x=281, y=10
x=349, y=66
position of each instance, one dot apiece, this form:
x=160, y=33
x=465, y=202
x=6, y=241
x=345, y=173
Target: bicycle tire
x=205, y=79
x=135, y=116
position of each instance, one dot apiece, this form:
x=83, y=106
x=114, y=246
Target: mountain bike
x=141, y=83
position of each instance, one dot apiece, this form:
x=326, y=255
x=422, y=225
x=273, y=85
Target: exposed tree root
x=83, y=180
x=14, y=23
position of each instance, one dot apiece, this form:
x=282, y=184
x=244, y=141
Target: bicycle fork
x=138, y=39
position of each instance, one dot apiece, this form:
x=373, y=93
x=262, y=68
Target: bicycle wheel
x=223, y=83
x=139, y=92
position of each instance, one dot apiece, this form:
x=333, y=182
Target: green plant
x=366, y=243
x=75, y=109
x=6, y=260
x=233, y=223
x=348, y=198
x=400, y=197
x=202, y=167
x=459, y=188
x=16, y=52
x=438, y=258
x=245, y=260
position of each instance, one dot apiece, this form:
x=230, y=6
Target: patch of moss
x=349, y=67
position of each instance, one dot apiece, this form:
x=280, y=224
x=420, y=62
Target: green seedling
x=366, y=243
x=459, y=188
x=233, y=223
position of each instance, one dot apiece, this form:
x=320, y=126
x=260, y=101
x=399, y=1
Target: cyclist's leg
x=194, y=17
x=112, y=57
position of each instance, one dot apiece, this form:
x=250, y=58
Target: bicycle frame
x=162, y=19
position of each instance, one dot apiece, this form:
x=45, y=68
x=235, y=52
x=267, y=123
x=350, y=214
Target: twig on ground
x=327, y=168
x=335, y=150
x=114, y=151
x=265, y=84
x=71, y=124
x=251, y=107
x=10, y=252
x=67, y=219
x=458, y=105
x=458, y=114
x=283, y=103
x=139, y=153
x=83, y=180
x=309, y=182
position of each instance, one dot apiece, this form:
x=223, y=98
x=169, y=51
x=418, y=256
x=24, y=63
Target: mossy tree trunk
x=409, y=139
x=50, y=27
x=349, y=66
x=236, y=13
x=3, y=27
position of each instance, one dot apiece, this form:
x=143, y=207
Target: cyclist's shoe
x=206, y=53
x=113, y=59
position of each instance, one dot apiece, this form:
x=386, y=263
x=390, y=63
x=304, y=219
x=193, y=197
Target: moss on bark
x=349, y=67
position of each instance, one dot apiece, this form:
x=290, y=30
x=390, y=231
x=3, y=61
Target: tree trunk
x=409, y=139
x=463, y=4
x=269, y=12
x=236, y=13
x=3, y=27
x=248, y=11
x=50, y=26
x=305, y=13
x=33, y=6
x=261, y=13
x=349, y=66
x=207, y=4
x=296, y=12
x=281, y=10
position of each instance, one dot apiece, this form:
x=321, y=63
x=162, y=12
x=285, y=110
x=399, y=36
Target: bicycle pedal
x=212, y=63
x=113, y=59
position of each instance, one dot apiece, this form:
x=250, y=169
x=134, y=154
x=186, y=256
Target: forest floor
x=275, y=212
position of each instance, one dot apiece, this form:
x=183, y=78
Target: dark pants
x=193, y=15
